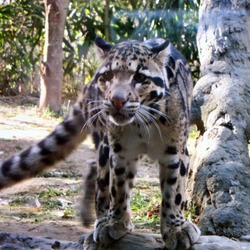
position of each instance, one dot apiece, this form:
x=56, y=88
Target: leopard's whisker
x=155, y=111
x=152, y=119
x=91, y=120
x=141, y=120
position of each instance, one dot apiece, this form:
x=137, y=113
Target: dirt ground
x=21, y=126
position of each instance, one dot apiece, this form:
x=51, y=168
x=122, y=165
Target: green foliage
x=22, y=34
x=21, y=30
x=175, y=20
x=128, y=19
x=51, y=192
x=20, y=201
x=145, y=205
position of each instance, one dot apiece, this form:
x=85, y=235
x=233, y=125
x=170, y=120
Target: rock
x=217, y=243
x=135, y=241
x=245, y=238
x=12, y=241
x=131, y=241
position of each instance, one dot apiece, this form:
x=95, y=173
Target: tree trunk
x=107, y=21
x=219, y=183
x=51, y=67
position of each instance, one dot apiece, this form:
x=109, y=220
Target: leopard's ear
x=160, y=50
x=102, y=47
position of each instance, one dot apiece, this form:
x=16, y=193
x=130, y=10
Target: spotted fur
x=138, y=102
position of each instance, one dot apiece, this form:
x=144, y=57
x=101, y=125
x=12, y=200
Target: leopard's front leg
x=118, y=220
x=176, y=230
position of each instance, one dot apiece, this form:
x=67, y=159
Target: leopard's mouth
x=120, y=119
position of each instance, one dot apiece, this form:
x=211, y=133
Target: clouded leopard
x=138, y=102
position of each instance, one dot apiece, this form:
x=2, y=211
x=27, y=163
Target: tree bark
x=219, y=183
x=107, y=21
x=51, y=67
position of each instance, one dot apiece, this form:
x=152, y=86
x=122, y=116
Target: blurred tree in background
x=22, y=37
x=21, y=40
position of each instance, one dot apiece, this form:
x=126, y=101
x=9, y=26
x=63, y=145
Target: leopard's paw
x=183, y=238
x=106, y=232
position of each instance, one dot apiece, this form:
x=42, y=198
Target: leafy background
x=22, y=37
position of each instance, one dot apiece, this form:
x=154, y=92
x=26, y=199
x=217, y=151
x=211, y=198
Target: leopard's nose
x=118, y=102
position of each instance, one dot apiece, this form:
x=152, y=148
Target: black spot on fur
x=153, y=95
x=171, y=181
x=16, y=177
x=165, y=236
x=103, y=156
x=101, y=199
x=130, y=175
x=163, y=120
x=158, y=81
x=172, y=216
x=48, y=161
x=167, y=204
x=171, y=62
x=102, y=184
x=117, y=211
x=105, y=140
x=44, y=149
x=121, y=200
x=60, y=139
x=182, y=169
x=182, y=205
x=119, y=171
x=173, y=166
x=106, y=151
x=113, y=191
x=120, y=183
x=96, y=139
x=25, y=153
x=134, y=57
x=169, y=72
x=77, y=112
x=111, y=162
x=24, y=165
x=168, y=196
x=178, y=199
x=171, y=150
x=80, y=105
x=117, y=147
x=6, y=167
x=106, y=178
x=69, y=127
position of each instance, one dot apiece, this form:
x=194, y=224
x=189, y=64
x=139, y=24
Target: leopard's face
x=132, y=82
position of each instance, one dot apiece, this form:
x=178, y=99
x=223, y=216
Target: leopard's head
x=132, y=80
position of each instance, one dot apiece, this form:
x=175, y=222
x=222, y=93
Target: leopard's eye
x=108, y=75
x=138, y=77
